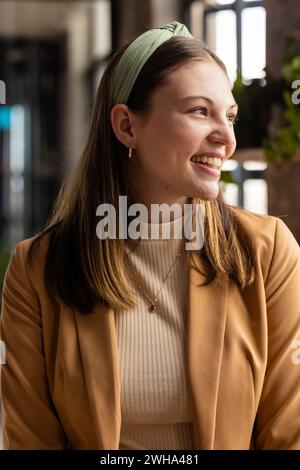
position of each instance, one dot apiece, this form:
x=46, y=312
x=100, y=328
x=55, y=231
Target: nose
x=223, y=133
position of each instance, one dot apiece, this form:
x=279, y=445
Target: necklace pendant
x=153, y=307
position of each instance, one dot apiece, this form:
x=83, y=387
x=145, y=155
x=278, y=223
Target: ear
x=122, y=123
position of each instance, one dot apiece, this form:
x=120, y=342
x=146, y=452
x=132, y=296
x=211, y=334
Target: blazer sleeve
x=278, y=417
x=29, y=417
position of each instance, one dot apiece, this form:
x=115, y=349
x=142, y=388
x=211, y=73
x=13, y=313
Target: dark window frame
x=237, y=6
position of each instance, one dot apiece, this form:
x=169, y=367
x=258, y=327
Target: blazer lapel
x=100, y=360
x=204, y=342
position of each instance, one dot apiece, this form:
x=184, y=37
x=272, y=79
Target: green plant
x=227, y=177
x=254, y=99
x=285, y=142
x=291, y=71
x=4, y=259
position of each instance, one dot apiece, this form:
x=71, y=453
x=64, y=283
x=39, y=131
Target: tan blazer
x=61, y=386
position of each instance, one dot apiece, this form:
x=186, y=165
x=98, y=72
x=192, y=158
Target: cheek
x=231, y=148
x=181, y=133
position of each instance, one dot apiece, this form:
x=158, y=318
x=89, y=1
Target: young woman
x=113, y=344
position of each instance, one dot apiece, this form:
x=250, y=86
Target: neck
x=161, y=211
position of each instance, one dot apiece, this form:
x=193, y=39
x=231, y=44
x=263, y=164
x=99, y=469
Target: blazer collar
x=205, y=330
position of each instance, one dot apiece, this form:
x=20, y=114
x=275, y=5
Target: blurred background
x=52, y=55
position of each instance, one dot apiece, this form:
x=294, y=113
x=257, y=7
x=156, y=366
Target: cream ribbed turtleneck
x=155, y=406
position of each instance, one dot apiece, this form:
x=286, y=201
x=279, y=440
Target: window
x=236, y=31
x=52, y=54
x=248, y=189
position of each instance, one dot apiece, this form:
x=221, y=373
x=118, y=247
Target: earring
x=130, y=153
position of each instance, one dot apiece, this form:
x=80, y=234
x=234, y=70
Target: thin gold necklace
x=153, y=300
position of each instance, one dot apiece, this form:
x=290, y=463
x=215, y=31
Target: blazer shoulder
x=261, y=228
x=270, y=236
x=39, y=243
x=29, y=256
x=255, y=224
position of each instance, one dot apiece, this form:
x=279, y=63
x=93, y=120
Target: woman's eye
x=232, y=117
x=202, y=109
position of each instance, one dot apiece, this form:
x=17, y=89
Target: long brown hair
x=80, y=269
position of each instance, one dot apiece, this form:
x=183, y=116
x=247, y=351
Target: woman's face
x=179, y=128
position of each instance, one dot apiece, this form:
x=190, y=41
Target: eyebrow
x=234, y=105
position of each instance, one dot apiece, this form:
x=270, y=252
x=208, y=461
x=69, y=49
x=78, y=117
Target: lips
x=215, y=172
x=214, y=158
x=210, y=154
x=212, y=162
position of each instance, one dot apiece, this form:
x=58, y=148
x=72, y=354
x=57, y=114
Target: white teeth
x=212, y=161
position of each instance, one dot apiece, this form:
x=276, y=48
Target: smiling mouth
x=214, y=163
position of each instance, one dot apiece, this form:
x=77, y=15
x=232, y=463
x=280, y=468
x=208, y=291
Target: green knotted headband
x=137, y=54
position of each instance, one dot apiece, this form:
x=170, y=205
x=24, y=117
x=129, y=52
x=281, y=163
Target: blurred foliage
x=4, y=259
x=291, y=71
x=284, y=145
x=227, y=177
x=285, y=142
x=255, y=99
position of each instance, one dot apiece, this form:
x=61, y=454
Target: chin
x=207, y=194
